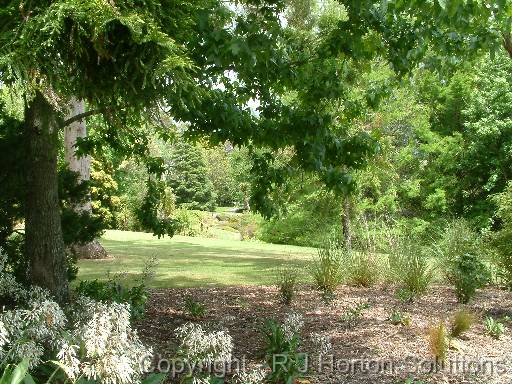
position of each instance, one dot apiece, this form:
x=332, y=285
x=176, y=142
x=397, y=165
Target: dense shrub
x=461, y=257
x=470, y=274
x=200, y=350
x=305, y=221
x=503, y=239
x=114, y=290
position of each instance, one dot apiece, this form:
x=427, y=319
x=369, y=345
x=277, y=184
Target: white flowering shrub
x=9, y=287
x=96, y=342
x=201, y=347
x=254, y=376
x=32, y=331
x=292, y=325
x=322, y=343
x=112, y=352
x=4, y=335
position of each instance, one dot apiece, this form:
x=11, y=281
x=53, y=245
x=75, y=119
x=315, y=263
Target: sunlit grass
x=194, y=261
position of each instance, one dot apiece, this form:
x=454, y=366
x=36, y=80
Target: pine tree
x=188, y=177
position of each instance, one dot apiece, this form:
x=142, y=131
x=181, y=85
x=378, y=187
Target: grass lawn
x=193, y=261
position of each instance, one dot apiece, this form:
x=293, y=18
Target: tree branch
x=82, y=116
x=507, y=43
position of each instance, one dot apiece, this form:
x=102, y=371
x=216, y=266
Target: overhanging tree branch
x=82, y=116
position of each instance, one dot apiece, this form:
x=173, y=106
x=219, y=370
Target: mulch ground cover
x=365, y=349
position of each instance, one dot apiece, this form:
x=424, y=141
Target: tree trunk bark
x=347, y=232
x=74, y=131
x=82, y=166
x=44, y=245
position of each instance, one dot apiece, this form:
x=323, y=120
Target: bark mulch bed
x=373, y=338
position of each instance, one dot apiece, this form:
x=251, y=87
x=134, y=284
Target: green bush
x=327, y=269
x=503, y=239
x=461, y=256
x=470, y=274
x=286, y=281
x=408, y=266
x=194, y=308
x=305, y=221
x=112, y=290
x=494, y=328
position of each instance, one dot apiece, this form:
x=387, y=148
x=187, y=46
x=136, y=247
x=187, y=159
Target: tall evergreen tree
x=188, y=177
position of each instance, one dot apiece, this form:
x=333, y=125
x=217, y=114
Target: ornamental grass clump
x=327, y=269
x=438, y=341
x=461, y=323
x=286, y=281
x=409, y=268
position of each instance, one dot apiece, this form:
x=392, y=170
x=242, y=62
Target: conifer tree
x=188, y=177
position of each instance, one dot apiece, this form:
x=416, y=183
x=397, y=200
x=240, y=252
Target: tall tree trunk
x=44, y=245
x=81, y=165
x=74, y=131
x=347, y=230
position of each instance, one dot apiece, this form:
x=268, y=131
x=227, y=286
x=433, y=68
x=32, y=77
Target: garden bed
x=371, y=338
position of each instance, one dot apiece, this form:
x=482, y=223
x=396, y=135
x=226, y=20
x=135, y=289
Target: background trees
x=205, y=62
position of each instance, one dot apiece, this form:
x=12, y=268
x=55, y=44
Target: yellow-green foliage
x=438, y=340
x=461, y=322
x=364, y=269
x=286, y=281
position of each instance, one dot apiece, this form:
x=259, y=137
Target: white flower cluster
x=98, y=343
x=68, y=358
x=4, y=335
x=254, y=376
x=199, y=346
x=321, y=342
x=31, y=330
x=9, y=287
x=292, y=325
x=113, y=352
